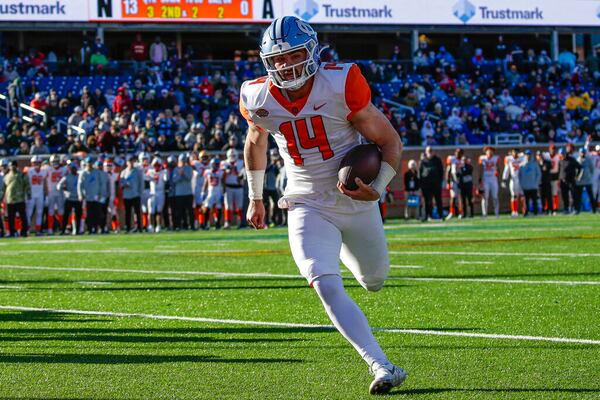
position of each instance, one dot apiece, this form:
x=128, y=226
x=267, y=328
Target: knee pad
x=372, y=283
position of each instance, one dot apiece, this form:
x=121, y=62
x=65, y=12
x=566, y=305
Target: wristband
x=256, y=180
x=385, y=176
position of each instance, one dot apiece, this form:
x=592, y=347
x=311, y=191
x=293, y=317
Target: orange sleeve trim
x=357, y=91
x=245, y=113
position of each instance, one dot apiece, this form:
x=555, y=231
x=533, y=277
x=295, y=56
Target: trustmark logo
x=464, y=10
x=306, y=9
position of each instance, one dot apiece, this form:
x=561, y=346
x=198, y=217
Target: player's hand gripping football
x=364, y=191
x=256, y=214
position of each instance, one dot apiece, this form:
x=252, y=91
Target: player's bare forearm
x=255, y=150
x=374, y=126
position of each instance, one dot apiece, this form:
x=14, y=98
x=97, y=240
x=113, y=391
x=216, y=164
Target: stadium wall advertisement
x=396, y=12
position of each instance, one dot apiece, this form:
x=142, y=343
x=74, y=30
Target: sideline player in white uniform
x=145, y=167
x=554, y=181
x=113, y=182
x=316, y=114
x=453, y=163
x=512, y=164
x=212, y=191
x=158, y=178
x=56, y=197
x=489, y=175
x=37, y=181
x=200, y=166
x=234, y=191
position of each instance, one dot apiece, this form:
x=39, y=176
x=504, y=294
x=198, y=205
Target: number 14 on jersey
x=298, y=137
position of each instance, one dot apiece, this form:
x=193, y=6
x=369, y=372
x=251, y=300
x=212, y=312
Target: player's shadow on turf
x=426, y=391
x=131, y=359
x=128, y=338
x=37, y=316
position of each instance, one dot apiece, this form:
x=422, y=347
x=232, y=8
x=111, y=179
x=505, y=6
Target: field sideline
x=475, y=309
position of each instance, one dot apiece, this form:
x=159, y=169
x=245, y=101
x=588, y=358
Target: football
x=363, y=162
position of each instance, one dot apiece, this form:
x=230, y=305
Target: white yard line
x=494, y=254
x=510, y=281
x=10, y=287
x=407, y=266
x=542, y=258
x=296, y=325
x=94, y=283
x=290, y=276
x=475, y=262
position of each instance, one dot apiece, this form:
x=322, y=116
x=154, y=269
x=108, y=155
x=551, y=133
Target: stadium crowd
x=160, y=123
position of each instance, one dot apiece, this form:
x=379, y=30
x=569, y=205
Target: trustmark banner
x=364, y=12
x=448, y=12
x=44, y=10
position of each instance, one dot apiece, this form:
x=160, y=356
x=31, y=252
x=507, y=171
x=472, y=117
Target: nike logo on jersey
x=315, y=107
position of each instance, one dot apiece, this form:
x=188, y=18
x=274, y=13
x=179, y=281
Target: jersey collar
x=293, y=107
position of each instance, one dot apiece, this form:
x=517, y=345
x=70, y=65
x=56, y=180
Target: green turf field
x=455, y=290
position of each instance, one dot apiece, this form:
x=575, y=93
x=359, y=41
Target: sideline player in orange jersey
x=316, y=113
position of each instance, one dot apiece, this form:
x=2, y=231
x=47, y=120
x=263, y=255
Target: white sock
x=349, y=319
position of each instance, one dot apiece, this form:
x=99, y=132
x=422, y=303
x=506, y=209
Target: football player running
x=316, y=114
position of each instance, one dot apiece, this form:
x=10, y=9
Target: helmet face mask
x=286, y=36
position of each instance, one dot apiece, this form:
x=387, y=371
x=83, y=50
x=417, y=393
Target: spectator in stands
x=38, y=102
x=431, y=176
x=567, y=60
x=100, y=47
x=122, y=102
x=4, y=148
x=77, y=146
x=38, y=146
x=23, y=149
x=583, y=180
x=139, y=52
x=76, y=117
x=217, y=141
x=478, y=59
x=158, y=52
x=98, y=62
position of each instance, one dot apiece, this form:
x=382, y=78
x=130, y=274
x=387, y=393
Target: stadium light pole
x=554, y=45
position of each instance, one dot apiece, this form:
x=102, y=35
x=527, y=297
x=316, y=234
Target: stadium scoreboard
x=186, y=10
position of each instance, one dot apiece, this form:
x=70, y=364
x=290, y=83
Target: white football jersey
x=233, y=171
x=511, y=167
x=555, y=160
x=157, y=180
x=595, y=157
x=54, y=175
x=314, y=133
x=36, y=181
x=454, y=163
x=490, y=166
x=113, y=180
x=198, y=178
x=215, y=180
